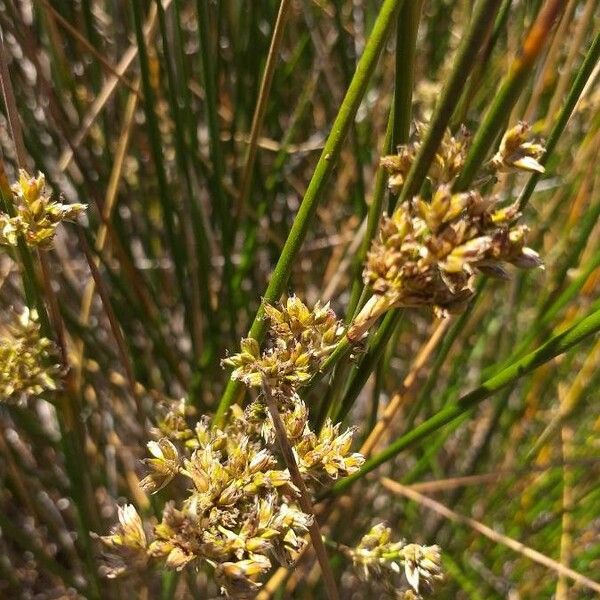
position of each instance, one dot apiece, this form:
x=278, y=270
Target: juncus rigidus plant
x=340, y=187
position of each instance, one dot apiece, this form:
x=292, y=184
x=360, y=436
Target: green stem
x=406, y=39
x=465, y=61
x=321, y=175
x=397, y=132
x=585, y=70
x=369, y=362
x=199, y=247
x=544, y=319
x=221, y=202
x=168, y=209
x=358, y=294
x=475, y=81
x=555, y=346
x=261, y=106
x=509, y=93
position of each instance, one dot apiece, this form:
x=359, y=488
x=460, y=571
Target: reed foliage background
x=229, y=152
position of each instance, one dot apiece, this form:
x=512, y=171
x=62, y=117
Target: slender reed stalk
x=555, y=346
x=261, y=106
x=583, y=74
x=491, y=534
x=321, y=175
x=464, y=63
x=510, y=89
x=304, y=497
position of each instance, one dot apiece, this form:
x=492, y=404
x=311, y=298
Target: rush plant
x=274, y=274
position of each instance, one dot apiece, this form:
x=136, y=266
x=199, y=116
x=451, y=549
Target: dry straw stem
x=499, y=538
x=110, y=199
x=54, y=14
x=550, y=65
x=443, y=485
x=261, y=106
x=400, y=397
x=114, y=323
x=304, y=496
x=568, y=504
x=108, y=89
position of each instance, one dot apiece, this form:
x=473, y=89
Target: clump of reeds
x=404, y=167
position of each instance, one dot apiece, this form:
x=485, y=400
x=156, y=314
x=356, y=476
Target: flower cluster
x=428, y=251
x=376, y=554
x=299, y=340
x=26, y=366
x=321, y=457
x=517, y=153
x=447, y=162
x=239, y=512
x=36, y=215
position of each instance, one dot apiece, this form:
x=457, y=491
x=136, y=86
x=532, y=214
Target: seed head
x=516, y=153
x=37, y=216
x=428, y=253
x=26, y=360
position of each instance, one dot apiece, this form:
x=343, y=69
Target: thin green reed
x=583, y=74
x=321, y=175
x=221, y=202
x=199, y=251
x=554, y=347
x=463, y=65
x=509, y=92
x=169, y=210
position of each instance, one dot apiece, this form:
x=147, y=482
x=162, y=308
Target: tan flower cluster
x=26, y=364
x=447, y=162
x=376, y=553
x=327, y=455
x=37, y=216
x=321, y=457
x=127, y=542
x=241, y=507
x=516, y=153
x=299, y=341
x=295, y=331
x=239, y=512
x=429, y=250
